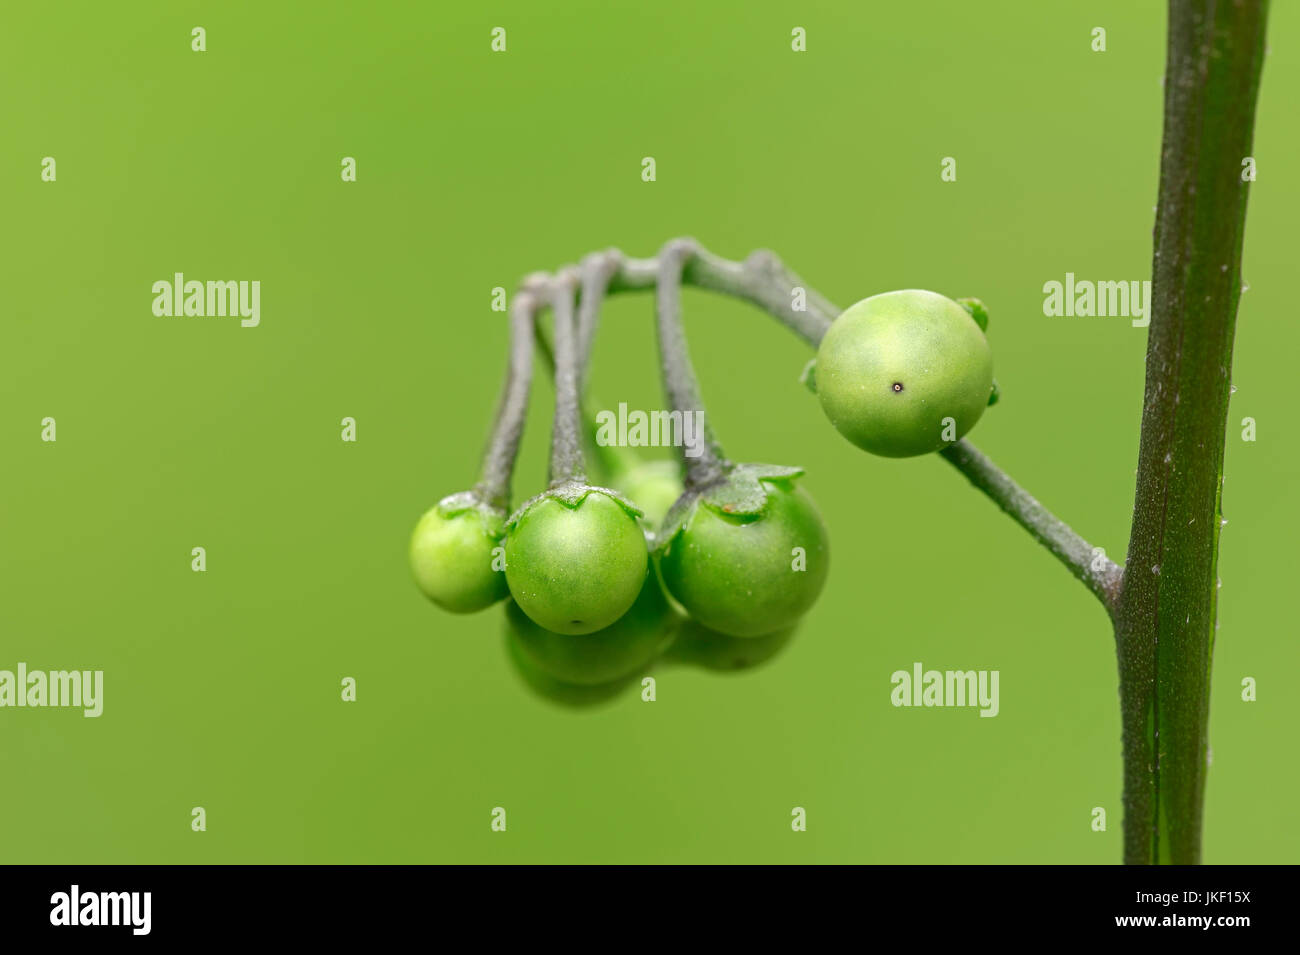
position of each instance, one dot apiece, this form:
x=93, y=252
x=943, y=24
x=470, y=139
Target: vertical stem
x=680, y=384
x=596, y=271
x=1165, y=618
x=611, y=459
x=566, y=434
x=508, y=428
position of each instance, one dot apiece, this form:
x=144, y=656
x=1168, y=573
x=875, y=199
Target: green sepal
x=808, y=377
x=977, y=311
x=995, y=394
x=493, y=517
x=739, y=493
x=742, y=492
x=571, y=494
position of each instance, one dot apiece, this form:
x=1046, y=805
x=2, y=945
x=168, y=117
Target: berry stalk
x=566, y=434
x=508, y=427
x=681, y=386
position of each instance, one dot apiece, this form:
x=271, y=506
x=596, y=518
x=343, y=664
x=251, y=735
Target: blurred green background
x=474, y=168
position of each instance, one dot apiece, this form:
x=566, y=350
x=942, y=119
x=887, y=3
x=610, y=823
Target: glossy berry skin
x=894, y=366
x=735, y=573
x=604, y=656
x=451, y=559
x=575, y=569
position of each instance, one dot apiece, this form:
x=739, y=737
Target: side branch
x=1098, y=573
x=761, y=279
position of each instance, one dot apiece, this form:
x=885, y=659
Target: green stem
x=508, y=427
x=566, y=434
x=1165, y=617
x=1089, y=565
x=612, y=460
x=596, y=270
x=761, y=279
x=681, y=386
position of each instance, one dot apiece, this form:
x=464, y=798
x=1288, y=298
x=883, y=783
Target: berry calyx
x=746, y=556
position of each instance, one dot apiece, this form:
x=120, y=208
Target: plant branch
x=1098, y=573
x=680, y=384
x=508, y=427
x=596, y=270
x=613, y=460
x=761, y=279
x=1167, y=603
x=566, y=434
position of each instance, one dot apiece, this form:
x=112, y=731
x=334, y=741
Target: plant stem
x=680, y=384
x=761, y=279
x=612, y=459
x=1045, y=527
x=508, y=427
x=596, y=271
x=1166, y=608
x=566, y=434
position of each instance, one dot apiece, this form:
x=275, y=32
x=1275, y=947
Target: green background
x=475, y=168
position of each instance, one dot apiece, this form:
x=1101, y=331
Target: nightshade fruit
x=575, y=558
x=697, y=645
x=451, y=554
x=654, y=485
x=748, y=556
x=894, y=368
x=570, y=695
x=604, y=656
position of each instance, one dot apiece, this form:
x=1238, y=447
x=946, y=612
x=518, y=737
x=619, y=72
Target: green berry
x=544, y=685
x=893, y=367
x=698, y=645
x=654, y=486
x=617, y=651
x=575, y=559
x=452, y=557
x=749, y=573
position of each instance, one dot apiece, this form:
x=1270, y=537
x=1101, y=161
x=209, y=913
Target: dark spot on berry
x=898, y=386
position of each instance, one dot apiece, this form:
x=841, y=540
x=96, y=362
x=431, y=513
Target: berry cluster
x=724, y=558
